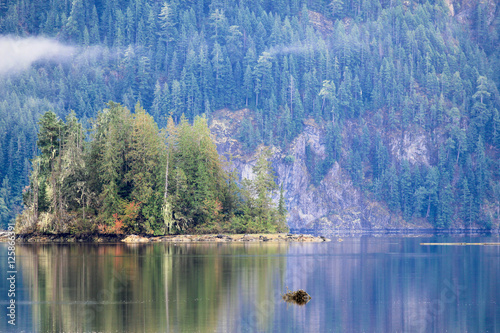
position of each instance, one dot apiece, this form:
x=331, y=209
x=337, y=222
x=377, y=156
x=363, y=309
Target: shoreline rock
x=223, y=238
x=134, y=239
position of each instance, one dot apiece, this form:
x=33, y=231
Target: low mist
x=17, y=54
x=297, y=48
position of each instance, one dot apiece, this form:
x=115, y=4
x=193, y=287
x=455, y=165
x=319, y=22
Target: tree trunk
x=36, y=170
x=83, y=208
x=428, y=208
x=166, y=180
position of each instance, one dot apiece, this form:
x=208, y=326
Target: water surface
x=364, y=284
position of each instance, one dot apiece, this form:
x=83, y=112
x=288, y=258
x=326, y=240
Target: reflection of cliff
x=161, y=287
x=389, y=284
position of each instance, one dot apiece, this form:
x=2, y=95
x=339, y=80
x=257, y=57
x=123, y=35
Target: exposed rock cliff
x=464, y=10
x=335, y=203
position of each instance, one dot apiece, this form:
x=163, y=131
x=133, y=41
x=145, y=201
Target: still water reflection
x=365, y=284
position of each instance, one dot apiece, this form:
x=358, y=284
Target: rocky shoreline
x=410, y=232
x=219, y=238
x=223, y=238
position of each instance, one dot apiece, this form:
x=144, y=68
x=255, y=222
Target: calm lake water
x=363, y=284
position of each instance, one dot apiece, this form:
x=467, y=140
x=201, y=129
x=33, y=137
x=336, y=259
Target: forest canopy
x=370, y=72
x=130, y=177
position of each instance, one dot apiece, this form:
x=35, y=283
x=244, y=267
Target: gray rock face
x=334, y=204
x=464, y=10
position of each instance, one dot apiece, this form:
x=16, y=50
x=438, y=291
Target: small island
x=125, y=176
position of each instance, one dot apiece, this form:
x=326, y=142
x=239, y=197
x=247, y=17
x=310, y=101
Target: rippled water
x=364, y=284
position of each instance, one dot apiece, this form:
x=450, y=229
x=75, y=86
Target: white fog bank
x=17, y=54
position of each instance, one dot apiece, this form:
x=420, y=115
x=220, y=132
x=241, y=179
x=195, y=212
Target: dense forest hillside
x=404, y=93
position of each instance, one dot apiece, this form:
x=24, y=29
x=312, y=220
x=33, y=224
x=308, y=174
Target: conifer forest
x=105, y=109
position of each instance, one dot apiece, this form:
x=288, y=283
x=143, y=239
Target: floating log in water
x=299, y=297
x=462, y=244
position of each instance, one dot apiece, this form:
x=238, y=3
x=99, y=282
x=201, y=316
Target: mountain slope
x=403, y=93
